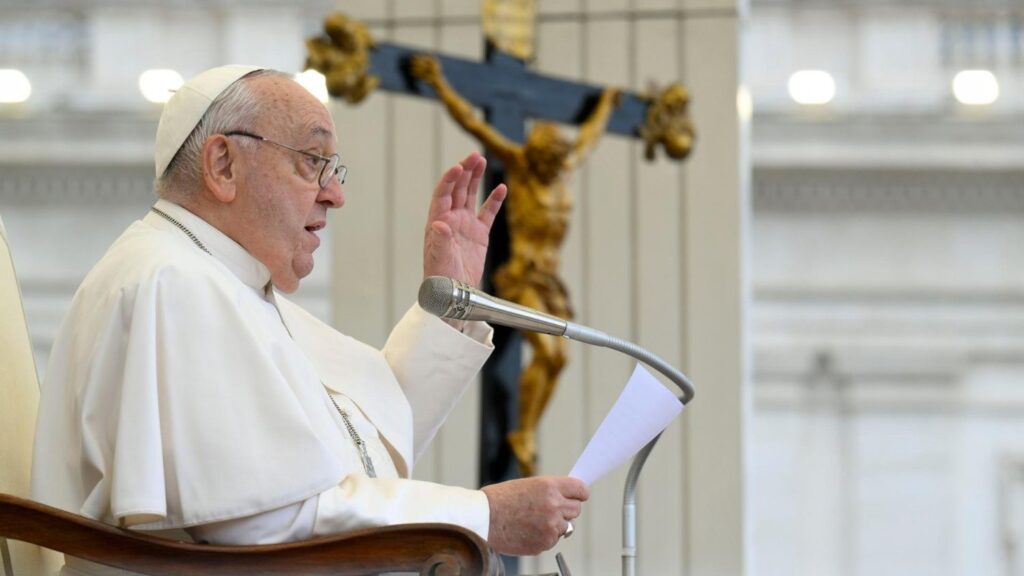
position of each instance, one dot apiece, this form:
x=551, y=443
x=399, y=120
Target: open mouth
x=312, y=230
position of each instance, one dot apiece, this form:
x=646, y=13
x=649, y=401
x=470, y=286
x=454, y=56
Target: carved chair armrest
x=426, y=548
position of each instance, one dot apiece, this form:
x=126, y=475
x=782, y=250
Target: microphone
x=449, y=298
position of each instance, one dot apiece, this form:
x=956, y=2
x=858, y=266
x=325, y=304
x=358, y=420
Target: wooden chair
x=30, y=531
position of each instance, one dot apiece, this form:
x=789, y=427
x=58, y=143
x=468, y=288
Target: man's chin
x=286, y=288
x=287, y=285
x=289, y=282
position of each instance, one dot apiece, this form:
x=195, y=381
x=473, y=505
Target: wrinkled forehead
x=289, y=110
x=319, y=132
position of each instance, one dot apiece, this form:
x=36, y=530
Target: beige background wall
x=654, y=254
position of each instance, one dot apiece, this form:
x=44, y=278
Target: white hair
x=236, y=108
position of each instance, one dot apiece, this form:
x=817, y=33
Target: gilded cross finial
x=668, y=122
x=509, y=25
x=342, y=55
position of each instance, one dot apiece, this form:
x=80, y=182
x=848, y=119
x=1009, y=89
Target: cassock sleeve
x=434, y=365
x=358, y=502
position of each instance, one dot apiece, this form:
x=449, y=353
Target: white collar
x=237, y=259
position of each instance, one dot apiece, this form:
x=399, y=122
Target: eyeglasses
x=331, y=164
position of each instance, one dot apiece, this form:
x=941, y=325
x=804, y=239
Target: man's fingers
x=493, y=203
x=442, y=230
x=460, y=192
x=441, y=201
x=447, y=183
x=469, y=161
x=572, y=509
x=474, y=182
x=460, y=184
x=451, y=176
x=574, y=488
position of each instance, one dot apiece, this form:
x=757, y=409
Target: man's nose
x=333, y=194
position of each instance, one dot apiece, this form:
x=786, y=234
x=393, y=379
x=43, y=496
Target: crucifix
x=523, y=256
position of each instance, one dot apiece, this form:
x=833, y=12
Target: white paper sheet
x=642, y=411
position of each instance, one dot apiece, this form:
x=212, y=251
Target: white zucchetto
x=186, y=108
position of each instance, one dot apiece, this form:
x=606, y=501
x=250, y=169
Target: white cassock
x=182, y=392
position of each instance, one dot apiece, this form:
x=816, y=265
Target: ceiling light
x=744, y=103
x=976, y=87
x=159, y=85
x=314, y=82
x=812, y=87
x=14, y=86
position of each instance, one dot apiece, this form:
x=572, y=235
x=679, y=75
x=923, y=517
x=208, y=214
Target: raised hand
x=456, y=235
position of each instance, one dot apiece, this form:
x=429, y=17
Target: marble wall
x=888, y=304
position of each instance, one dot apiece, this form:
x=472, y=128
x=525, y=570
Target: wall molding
x=887, y=190
x=46, y=185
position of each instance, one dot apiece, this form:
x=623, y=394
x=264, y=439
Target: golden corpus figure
x=538, y=207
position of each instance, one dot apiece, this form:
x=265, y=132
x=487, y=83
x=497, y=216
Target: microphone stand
x=598, y=338
x=450, y=298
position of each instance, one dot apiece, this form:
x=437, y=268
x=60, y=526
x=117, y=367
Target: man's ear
x=220, y=167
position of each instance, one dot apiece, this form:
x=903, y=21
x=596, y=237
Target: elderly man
x=184, y=392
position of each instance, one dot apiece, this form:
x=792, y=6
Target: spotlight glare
x=976, y=87
x=315, y=82
x=14, y=86
x=158, y=85
x=744, y=103
x=812, y=87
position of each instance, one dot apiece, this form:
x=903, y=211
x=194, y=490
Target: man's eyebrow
x=320, y=131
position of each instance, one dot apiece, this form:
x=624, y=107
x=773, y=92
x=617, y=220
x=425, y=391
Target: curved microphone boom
x=449, y=298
